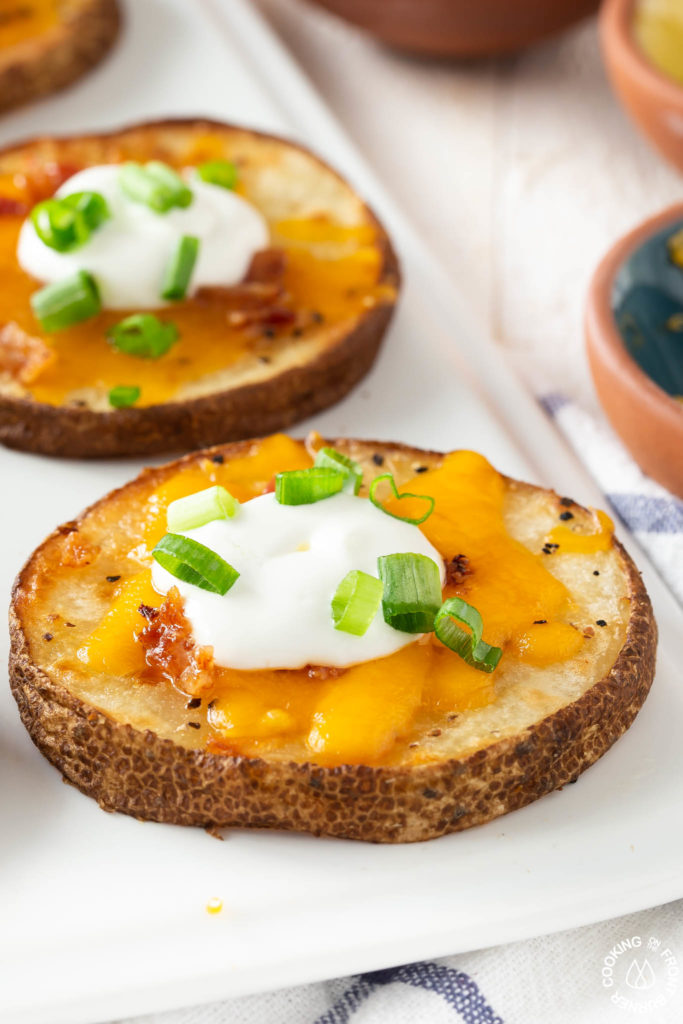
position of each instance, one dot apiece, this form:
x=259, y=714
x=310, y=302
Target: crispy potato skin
x=138, y=773
x=51, y=62
x=249, y=410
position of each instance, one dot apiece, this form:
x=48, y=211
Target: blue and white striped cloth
x=554, y=979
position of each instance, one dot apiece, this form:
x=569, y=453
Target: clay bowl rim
x=616, y=31
x=601, y=325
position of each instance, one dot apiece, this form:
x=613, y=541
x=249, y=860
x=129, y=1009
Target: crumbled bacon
x=171, y=652
x=22, y=357
x=42, y=179
x=457, y=569
x=259, y=298
x=267, y=267
x=10, y=207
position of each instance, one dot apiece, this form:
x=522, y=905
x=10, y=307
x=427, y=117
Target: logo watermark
x=640, y=974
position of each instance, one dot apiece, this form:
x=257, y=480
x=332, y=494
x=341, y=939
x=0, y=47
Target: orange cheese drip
x=357, y=716
x=21, y=20
x=332, y=282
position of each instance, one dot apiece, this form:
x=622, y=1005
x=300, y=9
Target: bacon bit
x=43, y=179
x=10, y=207
x=171, y=652
x=267, y=267
x=259, y=298
x=589, y=631
x=148, y=612
x=323, y=672
x=76, y=552
x=457, y=569
x=23, y=357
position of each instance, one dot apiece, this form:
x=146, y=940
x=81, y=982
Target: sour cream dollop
x=291, y=559
x=128, y=253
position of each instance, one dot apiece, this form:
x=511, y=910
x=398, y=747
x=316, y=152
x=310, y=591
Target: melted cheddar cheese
x=331, y=276
x=23, y=20
x=356, y=715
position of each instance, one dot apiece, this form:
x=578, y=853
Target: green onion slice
x=200, y=508
x=425, y=498
x=66, y=302
x=356, y=601
x=219, y=172
x=155, y=185
x=305, y=486
x=179, y=268
x=67, y=223
x=143, y=335
x=124, y=395
x=192, y=562
x=469, y=645
x=411, y=593
x=332, y=459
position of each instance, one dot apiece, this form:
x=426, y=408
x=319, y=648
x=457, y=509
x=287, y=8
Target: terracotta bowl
x=460, y=28
x=635, y=276
x=654, y=101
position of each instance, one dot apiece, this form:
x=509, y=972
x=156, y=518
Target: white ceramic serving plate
x=104, y=917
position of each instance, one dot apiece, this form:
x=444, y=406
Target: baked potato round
x=294, y=337
x=417, y=758
x=46, y=45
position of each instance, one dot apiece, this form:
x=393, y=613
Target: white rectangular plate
x=103, y=916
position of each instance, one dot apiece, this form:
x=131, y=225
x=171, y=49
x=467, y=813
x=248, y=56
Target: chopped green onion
x=469, y=645
x=155, y=185
x=179, y=268
x=67, y=223
x=356, y=601
x=333, y=459
x=304, y=486
x=412, y=591
x=143, y=335
x=192, y=562
x=218, y=172
x=171, y=181
x=124, y=395
x=200, y=508
x=392, y=483
x=66, y=302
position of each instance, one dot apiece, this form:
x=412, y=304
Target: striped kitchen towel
x=653, y=515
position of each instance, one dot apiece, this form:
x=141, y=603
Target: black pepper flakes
x=47, y=636
x=264, y=359
x=297, y=332
x=566, y=515
x=566, y=501
x=112, y=579
x=317, y=317
x=268, y=332
x=600, y=622
x=378, y=459
x=148, y=612
x=194, y=725
x=540, y=622
x=421, y=469
x=71, y=625
x=218, y=459
x=194, y=702
x=596, y=572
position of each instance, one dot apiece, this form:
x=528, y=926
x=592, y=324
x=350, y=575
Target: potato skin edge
x=50, y=63
x=140, y=774
x=242, y=412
